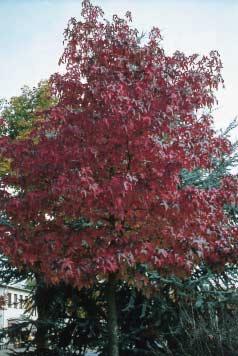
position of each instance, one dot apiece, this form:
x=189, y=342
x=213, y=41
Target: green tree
x=20, y=113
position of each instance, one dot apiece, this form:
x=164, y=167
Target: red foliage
x=129, y=118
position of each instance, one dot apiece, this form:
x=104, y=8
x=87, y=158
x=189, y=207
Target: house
x=16, y=304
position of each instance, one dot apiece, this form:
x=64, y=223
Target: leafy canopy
x=20, y=112
x=128, y=119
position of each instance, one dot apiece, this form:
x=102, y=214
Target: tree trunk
x=41, y=300
x=113, y=347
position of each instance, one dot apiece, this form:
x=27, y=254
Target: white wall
x=13, y=311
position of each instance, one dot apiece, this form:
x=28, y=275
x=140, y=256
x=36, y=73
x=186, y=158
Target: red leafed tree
x=129, y=118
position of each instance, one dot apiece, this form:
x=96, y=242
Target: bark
x=113, y=345
x=42, y=327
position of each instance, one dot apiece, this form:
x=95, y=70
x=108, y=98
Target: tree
x=19, y=116
x=58, y=324
x=192, y=316
x=55, y=325
x=128, y=120
x=20, y=112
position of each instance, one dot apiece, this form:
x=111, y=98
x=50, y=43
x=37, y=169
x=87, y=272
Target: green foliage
x=192, y=317
x=72, y=320
x=206, y=179
x=20, y=112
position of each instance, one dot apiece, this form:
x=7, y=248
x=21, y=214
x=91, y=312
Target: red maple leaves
x=128, y=119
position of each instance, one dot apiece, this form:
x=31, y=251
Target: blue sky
x=31, y=37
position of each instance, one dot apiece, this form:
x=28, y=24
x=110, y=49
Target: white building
x=16, y=304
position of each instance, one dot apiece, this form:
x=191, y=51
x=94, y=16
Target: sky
x=32, y=35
